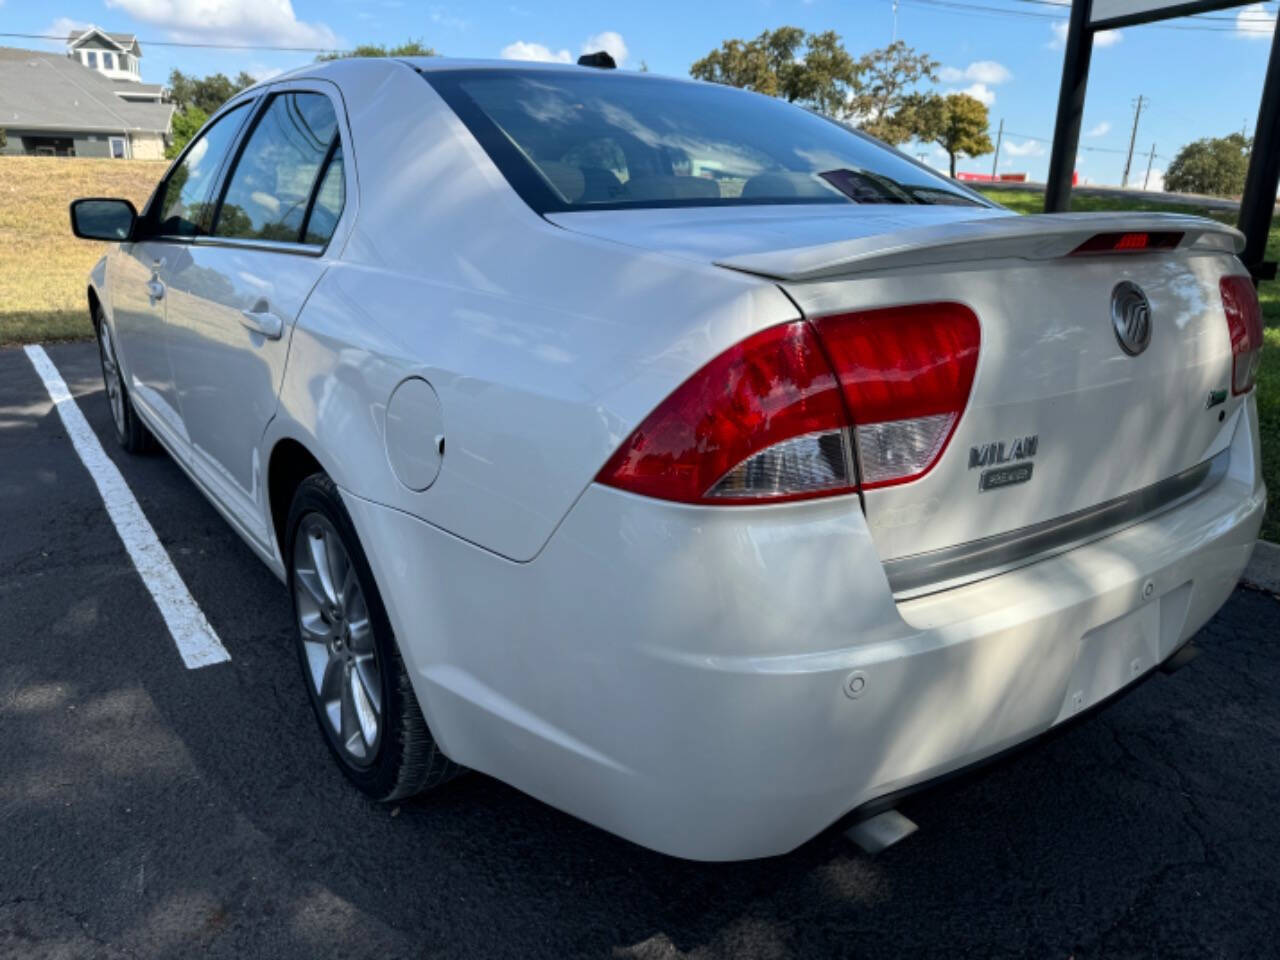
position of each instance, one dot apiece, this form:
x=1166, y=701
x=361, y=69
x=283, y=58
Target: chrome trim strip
x=925, y=573
x=271, y=246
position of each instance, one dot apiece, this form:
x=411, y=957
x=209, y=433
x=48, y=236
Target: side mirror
x=102, y=218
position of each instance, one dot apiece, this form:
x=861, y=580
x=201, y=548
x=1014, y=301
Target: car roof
x=434, y=64
x=450, y=64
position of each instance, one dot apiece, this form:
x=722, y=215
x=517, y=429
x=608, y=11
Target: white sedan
x=669, y=452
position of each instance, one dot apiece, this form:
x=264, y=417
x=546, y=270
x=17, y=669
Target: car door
x=233, y=300
x=136, y=284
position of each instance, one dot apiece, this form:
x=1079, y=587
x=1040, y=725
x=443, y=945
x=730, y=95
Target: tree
x=886, y=79
x=813, y=69
x=410, y=48
x=206, y=93
x=957, y=123
x=186, y=124
x=816, y=70
x=198, y=98
x=1214, y=165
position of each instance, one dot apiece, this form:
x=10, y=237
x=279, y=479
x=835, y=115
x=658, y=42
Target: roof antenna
x=600, y=59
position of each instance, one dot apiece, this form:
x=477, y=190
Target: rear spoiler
x=1036, y=237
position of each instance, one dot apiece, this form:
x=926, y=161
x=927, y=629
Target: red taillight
x=771, y=388
x=906, y=373
x=1244, y=321
x=1129, y=242
x=769, y=419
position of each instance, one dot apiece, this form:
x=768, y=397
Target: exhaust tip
x=880, y=832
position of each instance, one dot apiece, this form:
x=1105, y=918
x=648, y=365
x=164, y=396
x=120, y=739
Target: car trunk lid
x=1062, y=422
x=1071, y=430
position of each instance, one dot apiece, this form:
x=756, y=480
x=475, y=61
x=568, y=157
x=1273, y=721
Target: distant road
x=1190, y=199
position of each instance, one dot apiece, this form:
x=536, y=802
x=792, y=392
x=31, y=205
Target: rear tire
x=351, y=665
x=131, y=433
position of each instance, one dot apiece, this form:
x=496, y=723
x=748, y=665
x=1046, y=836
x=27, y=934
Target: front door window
x=184, y=208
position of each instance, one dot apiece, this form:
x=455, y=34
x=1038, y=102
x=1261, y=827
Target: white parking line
x=195, y=639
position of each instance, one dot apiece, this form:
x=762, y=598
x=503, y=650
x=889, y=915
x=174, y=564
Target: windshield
x=590, y=140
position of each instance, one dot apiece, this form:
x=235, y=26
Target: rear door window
x=331, y=196
x=289, y=153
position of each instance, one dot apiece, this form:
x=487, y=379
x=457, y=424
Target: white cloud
x=534, y=51
x=979, y=91
x=61, y=27
x=1256, y=21
x=980, y=71
x=1103, y=38
x=230, y=21
x=1101, y=130
x=609, y=41
x=1028, y=148
x=442, y=18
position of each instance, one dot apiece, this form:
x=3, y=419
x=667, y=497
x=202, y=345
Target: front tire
x=131, y=433
x=351, y=665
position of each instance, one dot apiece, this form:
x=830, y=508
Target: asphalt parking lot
x=148, y=810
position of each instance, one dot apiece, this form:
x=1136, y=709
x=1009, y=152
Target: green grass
x=1268, y=380
x=44, y=270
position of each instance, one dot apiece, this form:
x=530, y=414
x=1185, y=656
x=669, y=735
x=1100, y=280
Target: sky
x=1198, y=77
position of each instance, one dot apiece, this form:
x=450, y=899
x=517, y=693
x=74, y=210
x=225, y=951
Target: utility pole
x=895, y=21
x=1258, y=204
x=1150, y=160
x=1133, y=137
x=999, y=136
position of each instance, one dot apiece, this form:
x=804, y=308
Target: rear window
x=587, y=140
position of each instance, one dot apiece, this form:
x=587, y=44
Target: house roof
x=125, y=41
x=136, y=89
x=51, y=91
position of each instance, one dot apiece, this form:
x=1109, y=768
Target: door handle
x=155, y=289
x=261, y=320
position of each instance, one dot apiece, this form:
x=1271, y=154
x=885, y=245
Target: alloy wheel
x=337, y=638
x=111, y=376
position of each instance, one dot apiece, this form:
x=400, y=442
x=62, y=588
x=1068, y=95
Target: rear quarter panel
x=545, y=347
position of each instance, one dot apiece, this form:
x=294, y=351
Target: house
x=115, y=56
x=90, y=102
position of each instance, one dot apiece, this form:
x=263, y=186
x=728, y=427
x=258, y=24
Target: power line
x=1028, y=136
x=177, y=43
x=984, y=10
x=1195, y=16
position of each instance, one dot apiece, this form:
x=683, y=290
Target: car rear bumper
x=724, y=683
